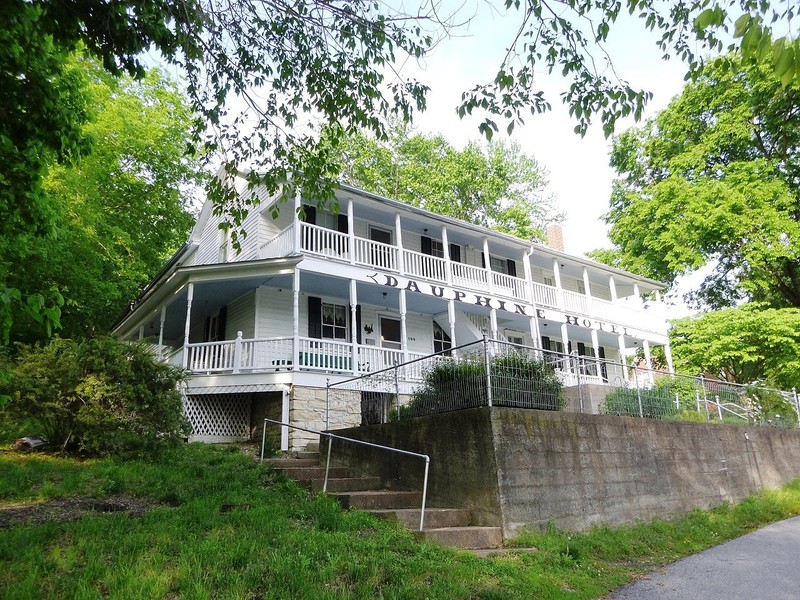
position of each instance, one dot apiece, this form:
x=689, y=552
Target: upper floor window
x=581, y=288
x=548, y=281
x=506, y=266
x=224, y=242
x=435, y=248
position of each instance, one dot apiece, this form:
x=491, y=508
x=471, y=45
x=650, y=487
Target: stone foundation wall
x=529, y=468
x=307, y=409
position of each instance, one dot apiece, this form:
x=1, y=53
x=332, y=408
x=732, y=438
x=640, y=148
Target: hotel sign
x=447, y=293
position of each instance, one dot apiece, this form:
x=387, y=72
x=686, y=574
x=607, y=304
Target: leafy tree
x=498, y=187
x=715, y=179
x=118, y=214
x=100, y=396
x=741, y=345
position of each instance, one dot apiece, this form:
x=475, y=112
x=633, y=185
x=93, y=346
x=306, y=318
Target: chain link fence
x=499, y=373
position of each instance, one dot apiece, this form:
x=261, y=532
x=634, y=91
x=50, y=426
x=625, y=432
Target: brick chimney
x=554, y=236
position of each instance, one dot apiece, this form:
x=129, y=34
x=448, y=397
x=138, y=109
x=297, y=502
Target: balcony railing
x=277, y=354
x=321, y=241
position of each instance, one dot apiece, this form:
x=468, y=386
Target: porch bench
x=325, y=361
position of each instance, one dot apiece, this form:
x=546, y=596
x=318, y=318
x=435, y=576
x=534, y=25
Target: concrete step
x=435, y=518
x=312, y=447
x=306, y=455
x=344, y=484
x=468, y=538
x=316, y=472
x=379, y=499
x=283, y=463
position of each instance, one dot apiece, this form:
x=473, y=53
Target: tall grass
x=226, y=527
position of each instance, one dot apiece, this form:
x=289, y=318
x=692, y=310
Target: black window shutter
x=512, y=267
x=426, y=245
x=483, y=260
x=358, y=323
x=455, y=253
x=581, y=349
x=314, y=317
x=601, y=352
x=223, y=316
x=311, y=214
x=341, y=223
x=545, y=343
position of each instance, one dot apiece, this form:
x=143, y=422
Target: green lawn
x=277, y=541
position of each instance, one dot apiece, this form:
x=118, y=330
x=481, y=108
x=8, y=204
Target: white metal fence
x=498, y=373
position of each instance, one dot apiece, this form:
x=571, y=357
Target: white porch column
x=622, y=357
x=354, y=328
x=351, y=234
x=587, y=290
x=296, y=320
x=398, y=228
x=403, y=330
x=637, y=294
x=526, y=265
x=557, y=281
x=648, y=360
x=451, y=318
x=297, y=222
x=493, y=323
x=565, y=337
x=668, y=356
x=612, y=287
x=285, y=419
x=488, y=260
x=447, y=260
x=161, y=333
x=596, y=346
x=187, y=327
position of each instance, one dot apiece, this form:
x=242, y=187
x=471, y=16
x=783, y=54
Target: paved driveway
x=761, y=564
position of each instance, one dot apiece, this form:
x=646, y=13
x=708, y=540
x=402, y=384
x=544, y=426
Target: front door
x=390, y=333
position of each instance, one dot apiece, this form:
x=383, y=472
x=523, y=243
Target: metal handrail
x=331, y=436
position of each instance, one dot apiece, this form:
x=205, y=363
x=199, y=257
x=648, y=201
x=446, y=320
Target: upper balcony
x=318, y=241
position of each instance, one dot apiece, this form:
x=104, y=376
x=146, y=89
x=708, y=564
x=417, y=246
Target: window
x=441, y=340
x=224, y=238
x=499, y=265
x=548, y=281
x=334, y=321
x=581, y=288
x=437, y=249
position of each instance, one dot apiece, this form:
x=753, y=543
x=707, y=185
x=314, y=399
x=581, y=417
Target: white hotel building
x=338, y=295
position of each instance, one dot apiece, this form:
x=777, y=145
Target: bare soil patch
x=73, y=508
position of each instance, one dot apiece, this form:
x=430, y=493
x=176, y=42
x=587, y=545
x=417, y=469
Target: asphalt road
x=761, y=564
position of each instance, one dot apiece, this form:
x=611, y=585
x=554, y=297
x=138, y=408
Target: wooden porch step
x=468, y=538
x=435, y=518
x=379, y=499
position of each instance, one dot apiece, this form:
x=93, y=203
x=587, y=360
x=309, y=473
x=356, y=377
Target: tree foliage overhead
x=741, y=345
x=118, y=214
x=273, y=64
x=497, y=186
x=715, y=180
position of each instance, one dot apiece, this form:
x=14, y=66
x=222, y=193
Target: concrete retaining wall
x=520, y=467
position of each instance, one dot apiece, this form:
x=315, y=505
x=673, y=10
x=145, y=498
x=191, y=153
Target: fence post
x=796, y=405
x=396, y=390
x=487, y=366
x=719, y=407
x=580, y=363
x=638, y=391
x=677, y=402
x=237, y=352
x=327, y=404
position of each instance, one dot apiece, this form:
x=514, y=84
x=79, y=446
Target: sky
x=580, y=177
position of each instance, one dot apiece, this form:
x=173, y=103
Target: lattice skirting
x=218, y=417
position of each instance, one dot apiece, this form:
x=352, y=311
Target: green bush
x=657, y=402
x=99, y=396
x=517, y=381
x=771, y=407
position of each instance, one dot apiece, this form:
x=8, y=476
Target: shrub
x=99, y=396
x=657, y=402
x=771, y=407
x=517, y=381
